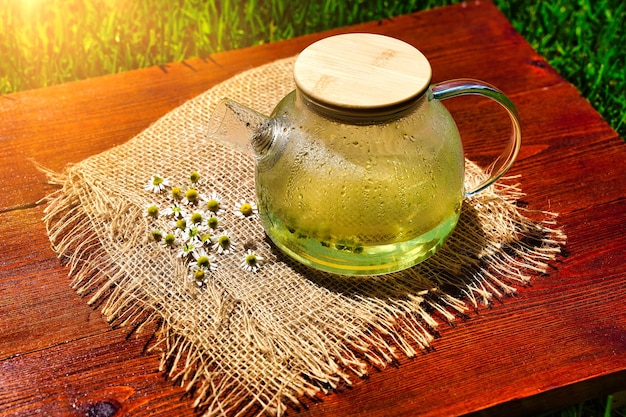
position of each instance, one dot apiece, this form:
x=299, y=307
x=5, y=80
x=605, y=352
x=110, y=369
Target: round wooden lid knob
x=362, y=72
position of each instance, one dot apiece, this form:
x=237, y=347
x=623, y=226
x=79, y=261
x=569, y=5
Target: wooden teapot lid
x=362, y=73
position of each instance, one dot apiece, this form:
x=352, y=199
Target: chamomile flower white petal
x=246, y=209
x=200, y=253
x=199, y=275
x=193, y=235
x=175, y=211
x=187, y=250
x=222, y=243
x=251, y=261
x=196, y=218
x=213, y=203
x=157, y=184
x=204, y=260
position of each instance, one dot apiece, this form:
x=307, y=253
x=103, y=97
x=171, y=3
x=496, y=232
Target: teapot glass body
x=358, y=196
x=360, y=170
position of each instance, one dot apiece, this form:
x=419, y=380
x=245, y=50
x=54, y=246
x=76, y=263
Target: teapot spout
x=244, y=128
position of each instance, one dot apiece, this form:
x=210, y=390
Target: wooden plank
x=557, y=342
x=88, y=376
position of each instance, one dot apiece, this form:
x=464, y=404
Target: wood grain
x=559, y=341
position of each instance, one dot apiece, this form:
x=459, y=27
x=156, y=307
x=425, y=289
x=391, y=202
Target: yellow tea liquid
x=360, y=203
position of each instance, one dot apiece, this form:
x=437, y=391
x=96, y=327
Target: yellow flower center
x=203, y=261
x=251, y=259
x=213, y=205
x=198, y=275
x=224, y=241
x=246, y=209
x=192, y=195
x=153, y=211
x=212, y=222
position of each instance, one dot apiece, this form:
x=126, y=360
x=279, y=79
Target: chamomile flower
x=195, y=178
x=222, y=243
x=188, y=249
x=200, y=252
x=179, y=225
x=245, y=209
x=177, y=194
x=192, y=196
x=175, y=211
x=198, y=274
x=157, y=184
x=251, y=261
x=195, y=231
x=213, y=203
x=204, y=260
x=169, y=241
x=205, y=239
x=212, y=221
x=192, y=235
x=151, y=211
x=157, y=235
x=196, y=218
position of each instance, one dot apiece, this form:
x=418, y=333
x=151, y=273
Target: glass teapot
x=360, y=170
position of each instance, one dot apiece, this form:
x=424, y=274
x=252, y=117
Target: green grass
x=585, y=41
x=49, y=42
x=46, y=42
x=601, y=407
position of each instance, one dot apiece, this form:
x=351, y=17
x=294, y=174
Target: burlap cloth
x=251, y=342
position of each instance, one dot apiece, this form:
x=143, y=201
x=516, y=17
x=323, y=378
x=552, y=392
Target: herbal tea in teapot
x=360, y=169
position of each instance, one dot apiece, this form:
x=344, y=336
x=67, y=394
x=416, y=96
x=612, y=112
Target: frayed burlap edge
x=515, y=244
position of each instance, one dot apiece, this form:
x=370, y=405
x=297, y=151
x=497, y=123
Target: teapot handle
x=458, y=87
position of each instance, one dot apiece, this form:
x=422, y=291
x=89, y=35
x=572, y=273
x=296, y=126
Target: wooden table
x=559, y=341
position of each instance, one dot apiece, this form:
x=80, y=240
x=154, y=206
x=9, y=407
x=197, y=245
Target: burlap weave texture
x=252, y=342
